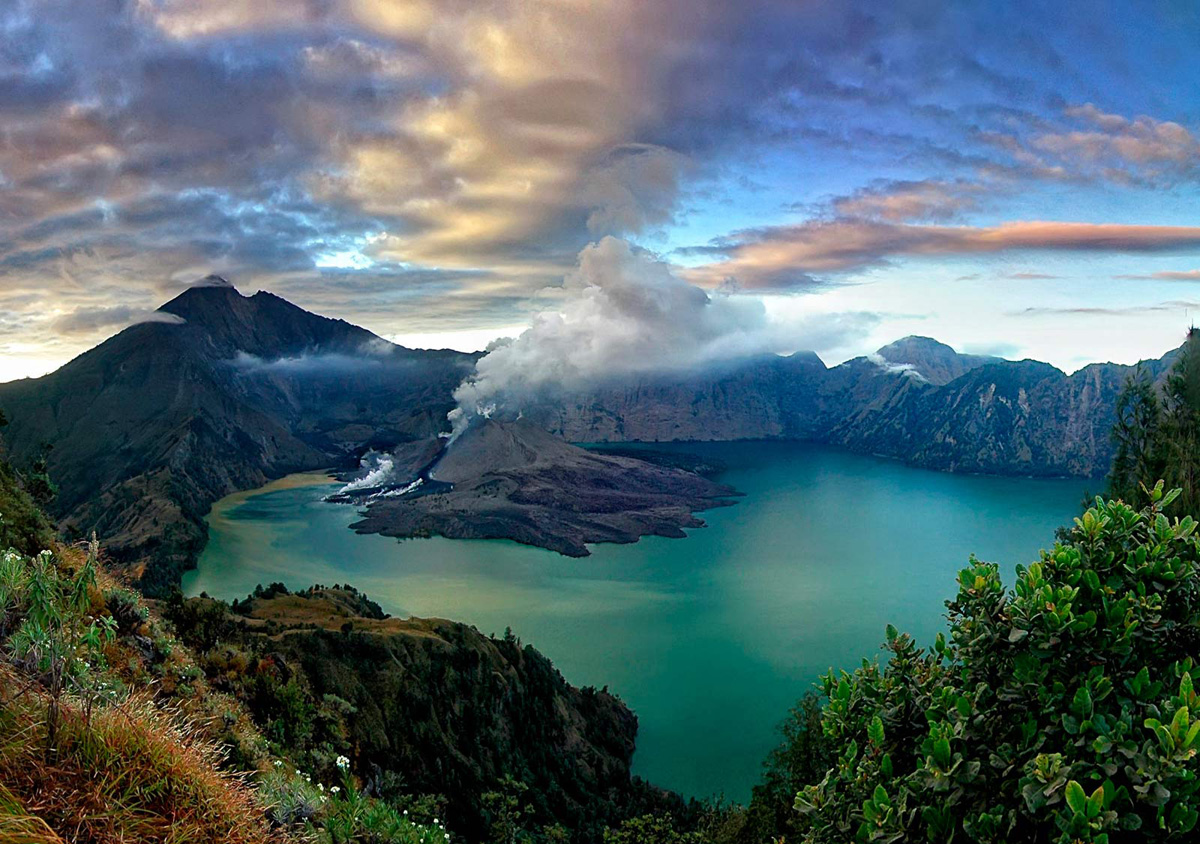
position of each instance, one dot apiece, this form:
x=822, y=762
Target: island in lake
x=513, y=480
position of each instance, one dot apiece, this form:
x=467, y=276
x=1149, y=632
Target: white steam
x=623, y=312
x=379, y=471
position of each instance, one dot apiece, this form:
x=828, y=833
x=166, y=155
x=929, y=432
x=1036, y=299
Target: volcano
x=513, y=480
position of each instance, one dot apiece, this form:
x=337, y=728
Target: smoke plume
x=622, y=313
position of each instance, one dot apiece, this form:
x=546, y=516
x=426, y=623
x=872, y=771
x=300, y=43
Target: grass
x=133, y=773
x=17, y=826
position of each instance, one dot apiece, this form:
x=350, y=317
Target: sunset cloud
x=1167, y=275
x=793, y=256
x=422, y=166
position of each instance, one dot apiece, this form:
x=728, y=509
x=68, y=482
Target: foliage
x=129, y=774
x=56, y=637
x=1061, y=711
x=37, y=480
x=424, y=708
x=23, y=527
x=651, y=829
x=1139, y=456
x=1157, y=432
x=353, y=817
x=802, y=757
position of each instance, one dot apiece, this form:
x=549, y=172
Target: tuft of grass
x=131, y=773
x=19, y=827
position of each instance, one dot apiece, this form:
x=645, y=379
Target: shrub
x=56, y=637
x=1061, y=711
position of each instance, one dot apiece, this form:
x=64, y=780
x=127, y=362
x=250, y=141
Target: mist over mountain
x=226, y=391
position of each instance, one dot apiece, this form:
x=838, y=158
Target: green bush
x=1060, y=711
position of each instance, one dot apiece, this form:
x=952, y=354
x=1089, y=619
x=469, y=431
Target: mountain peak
x=913, y=342
x=936, y=362
x=214, y=280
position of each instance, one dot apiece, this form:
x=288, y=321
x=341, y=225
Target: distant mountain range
x=915, y=400
x=152, y=426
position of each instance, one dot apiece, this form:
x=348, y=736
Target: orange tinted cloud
x=789, y=256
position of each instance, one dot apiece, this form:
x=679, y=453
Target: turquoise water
x=709, y=639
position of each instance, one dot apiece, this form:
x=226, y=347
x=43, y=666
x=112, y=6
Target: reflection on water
x=709, y=639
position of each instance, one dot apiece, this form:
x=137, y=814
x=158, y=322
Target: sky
x=1016, y=178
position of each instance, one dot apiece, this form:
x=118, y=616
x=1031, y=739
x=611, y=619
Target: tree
x=1064, y=710
x=1181, y=425
x=37, y=481
x=509, y=811
x=1137, y=434
x=1157, y=432
x=802, y=757
x=650, y=829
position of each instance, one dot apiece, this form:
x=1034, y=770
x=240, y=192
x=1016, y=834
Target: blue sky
x=1011, y=177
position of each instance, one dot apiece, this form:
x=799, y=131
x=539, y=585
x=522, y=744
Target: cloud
x=1141, y=148
x=1131, y=310
x=330, y=364
x=784, y=257
x=453, y=157
x=907, y=201
x=1165, y=275
x=622, y=313
x=906, y=369
x=90, y=320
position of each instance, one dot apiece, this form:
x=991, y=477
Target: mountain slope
x=935, y=362
x=430, y=706
x=153, y=425
x=993, y=416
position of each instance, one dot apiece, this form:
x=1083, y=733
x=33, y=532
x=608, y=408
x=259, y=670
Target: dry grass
x=132, y=774
x=19, y=827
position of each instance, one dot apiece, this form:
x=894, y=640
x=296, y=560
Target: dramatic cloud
x=426, y=166
x=790, y=256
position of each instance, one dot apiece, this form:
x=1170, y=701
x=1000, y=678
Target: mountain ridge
x=153, y=425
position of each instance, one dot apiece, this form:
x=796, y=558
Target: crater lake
x=709, y=639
